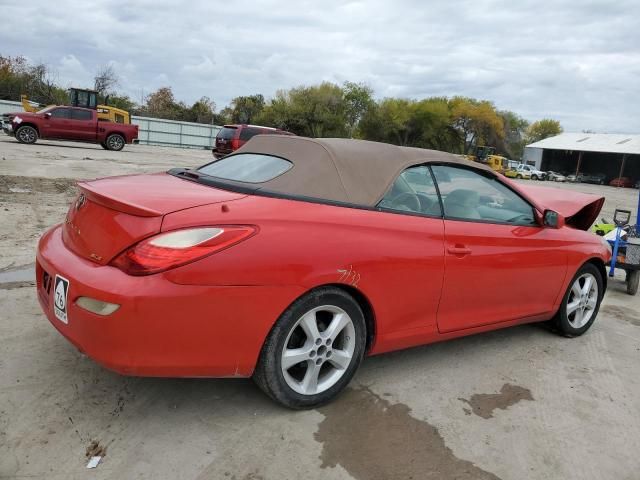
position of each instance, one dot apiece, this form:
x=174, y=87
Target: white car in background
x=556, y=177
x=533, y=171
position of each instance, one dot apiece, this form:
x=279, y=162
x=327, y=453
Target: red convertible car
x=291, y=259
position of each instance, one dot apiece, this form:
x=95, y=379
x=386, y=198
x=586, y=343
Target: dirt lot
x=517, y=403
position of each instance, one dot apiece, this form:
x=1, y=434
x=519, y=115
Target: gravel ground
x=511, y=404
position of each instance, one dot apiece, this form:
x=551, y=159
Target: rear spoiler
x=90, y=192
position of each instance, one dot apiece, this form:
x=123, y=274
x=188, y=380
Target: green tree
x=162, y=104
x=476, y=121
x=202, y=111
x=543, y=129
x=358, y=99
x=315, y=111
x=512, y=142
x=123, y=102
x=245, y=109
x=424, y=123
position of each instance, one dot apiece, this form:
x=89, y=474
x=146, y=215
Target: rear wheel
x=27, y=134
x=313, y=350
x=518, y=176
x=104, y=145
x=633, y=278
x=581, y=302
x=115, y=142
x=534, y=177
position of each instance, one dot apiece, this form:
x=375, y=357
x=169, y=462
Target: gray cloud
x=575, y=61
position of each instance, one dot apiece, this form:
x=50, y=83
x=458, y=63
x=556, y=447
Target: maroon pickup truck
x=69, y=123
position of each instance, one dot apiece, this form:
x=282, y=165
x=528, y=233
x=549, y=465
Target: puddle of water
x=373, y=439
x=483, y=404
x=24, y=273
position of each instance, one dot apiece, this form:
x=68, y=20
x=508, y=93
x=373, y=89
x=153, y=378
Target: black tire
x=534, y=177
x=27, y=134
x=115, y=142
x=269, y=374
x=518, y=176
x=561, y=322
x=104, y=145
x=633, y=277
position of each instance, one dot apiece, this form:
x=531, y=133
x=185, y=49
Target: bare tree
x=105, y=80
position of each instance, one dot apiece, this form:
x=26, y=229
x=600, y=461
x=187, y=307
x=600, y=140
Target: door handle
x=459, y=250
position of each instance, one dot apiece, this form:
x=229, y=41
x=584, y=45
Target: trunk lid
x=111, y=214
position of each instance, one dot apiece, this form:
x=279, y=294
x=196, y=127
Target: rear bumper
x=161, y=328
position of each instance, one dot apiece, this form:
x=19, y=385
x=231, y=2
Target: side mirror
x=553, y=219
x=47, y=115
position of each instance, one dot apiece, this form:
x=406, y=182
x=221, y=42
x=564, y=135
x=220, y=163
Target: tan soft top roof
x=342, y=170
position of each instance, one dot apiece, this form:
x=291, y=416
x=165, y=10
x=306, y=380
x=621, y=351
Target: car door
x=83, y=125
x=57, y=123
x=500, y=264
x=415, y=284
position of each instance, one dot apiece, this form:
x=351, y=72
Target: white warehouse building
x=612, y=155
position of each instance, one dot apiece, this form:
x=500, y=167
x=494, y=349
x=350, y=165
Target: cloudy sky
x=577, y=61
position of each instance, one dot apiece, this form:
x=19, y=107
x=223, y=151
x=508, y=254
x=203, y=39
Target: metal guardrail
x=157, y=131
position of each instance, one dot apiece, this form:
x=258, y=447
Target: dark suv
x=232, y=137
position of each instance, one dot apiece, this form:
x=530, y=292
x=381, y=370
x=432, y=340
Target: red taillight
x=235, y=144
x=172, y=249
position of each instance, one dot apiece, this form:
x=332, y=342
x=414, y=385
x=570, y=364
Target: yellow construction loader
x=487, y=156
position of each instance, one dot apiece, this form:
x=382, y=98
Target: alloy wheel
x=115, y=142
x=318, y=350
x=27, y=135
x=582, y=301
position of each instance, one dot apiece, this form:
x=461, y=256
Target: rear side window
x=247, y=167
x=247, y=133
x=227, y=133
x=60, y=113
x=80, y=115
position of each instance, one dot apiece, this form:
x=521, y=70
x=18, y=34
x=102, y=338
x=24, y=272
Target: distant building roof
x=591, y=142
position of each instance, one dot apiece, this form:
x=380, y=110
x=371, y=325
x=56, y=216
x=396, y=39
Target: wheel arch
x=367, y=310
x=115, y=132
x=29, y=124
x=600, y=265
x=363, y=302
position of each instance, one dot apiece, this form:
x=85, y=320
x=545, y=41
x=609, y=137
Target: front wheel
x=27, y=134
x=115, y=142
x=518, y=176
x=534, y=177
x=313, y=350
x=581, y=302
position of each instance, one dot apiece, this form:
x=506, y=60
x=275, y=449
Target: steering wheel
x=409, y=200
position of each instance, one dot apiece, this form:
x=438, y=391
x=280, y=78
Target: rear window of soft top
x=247, y=167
